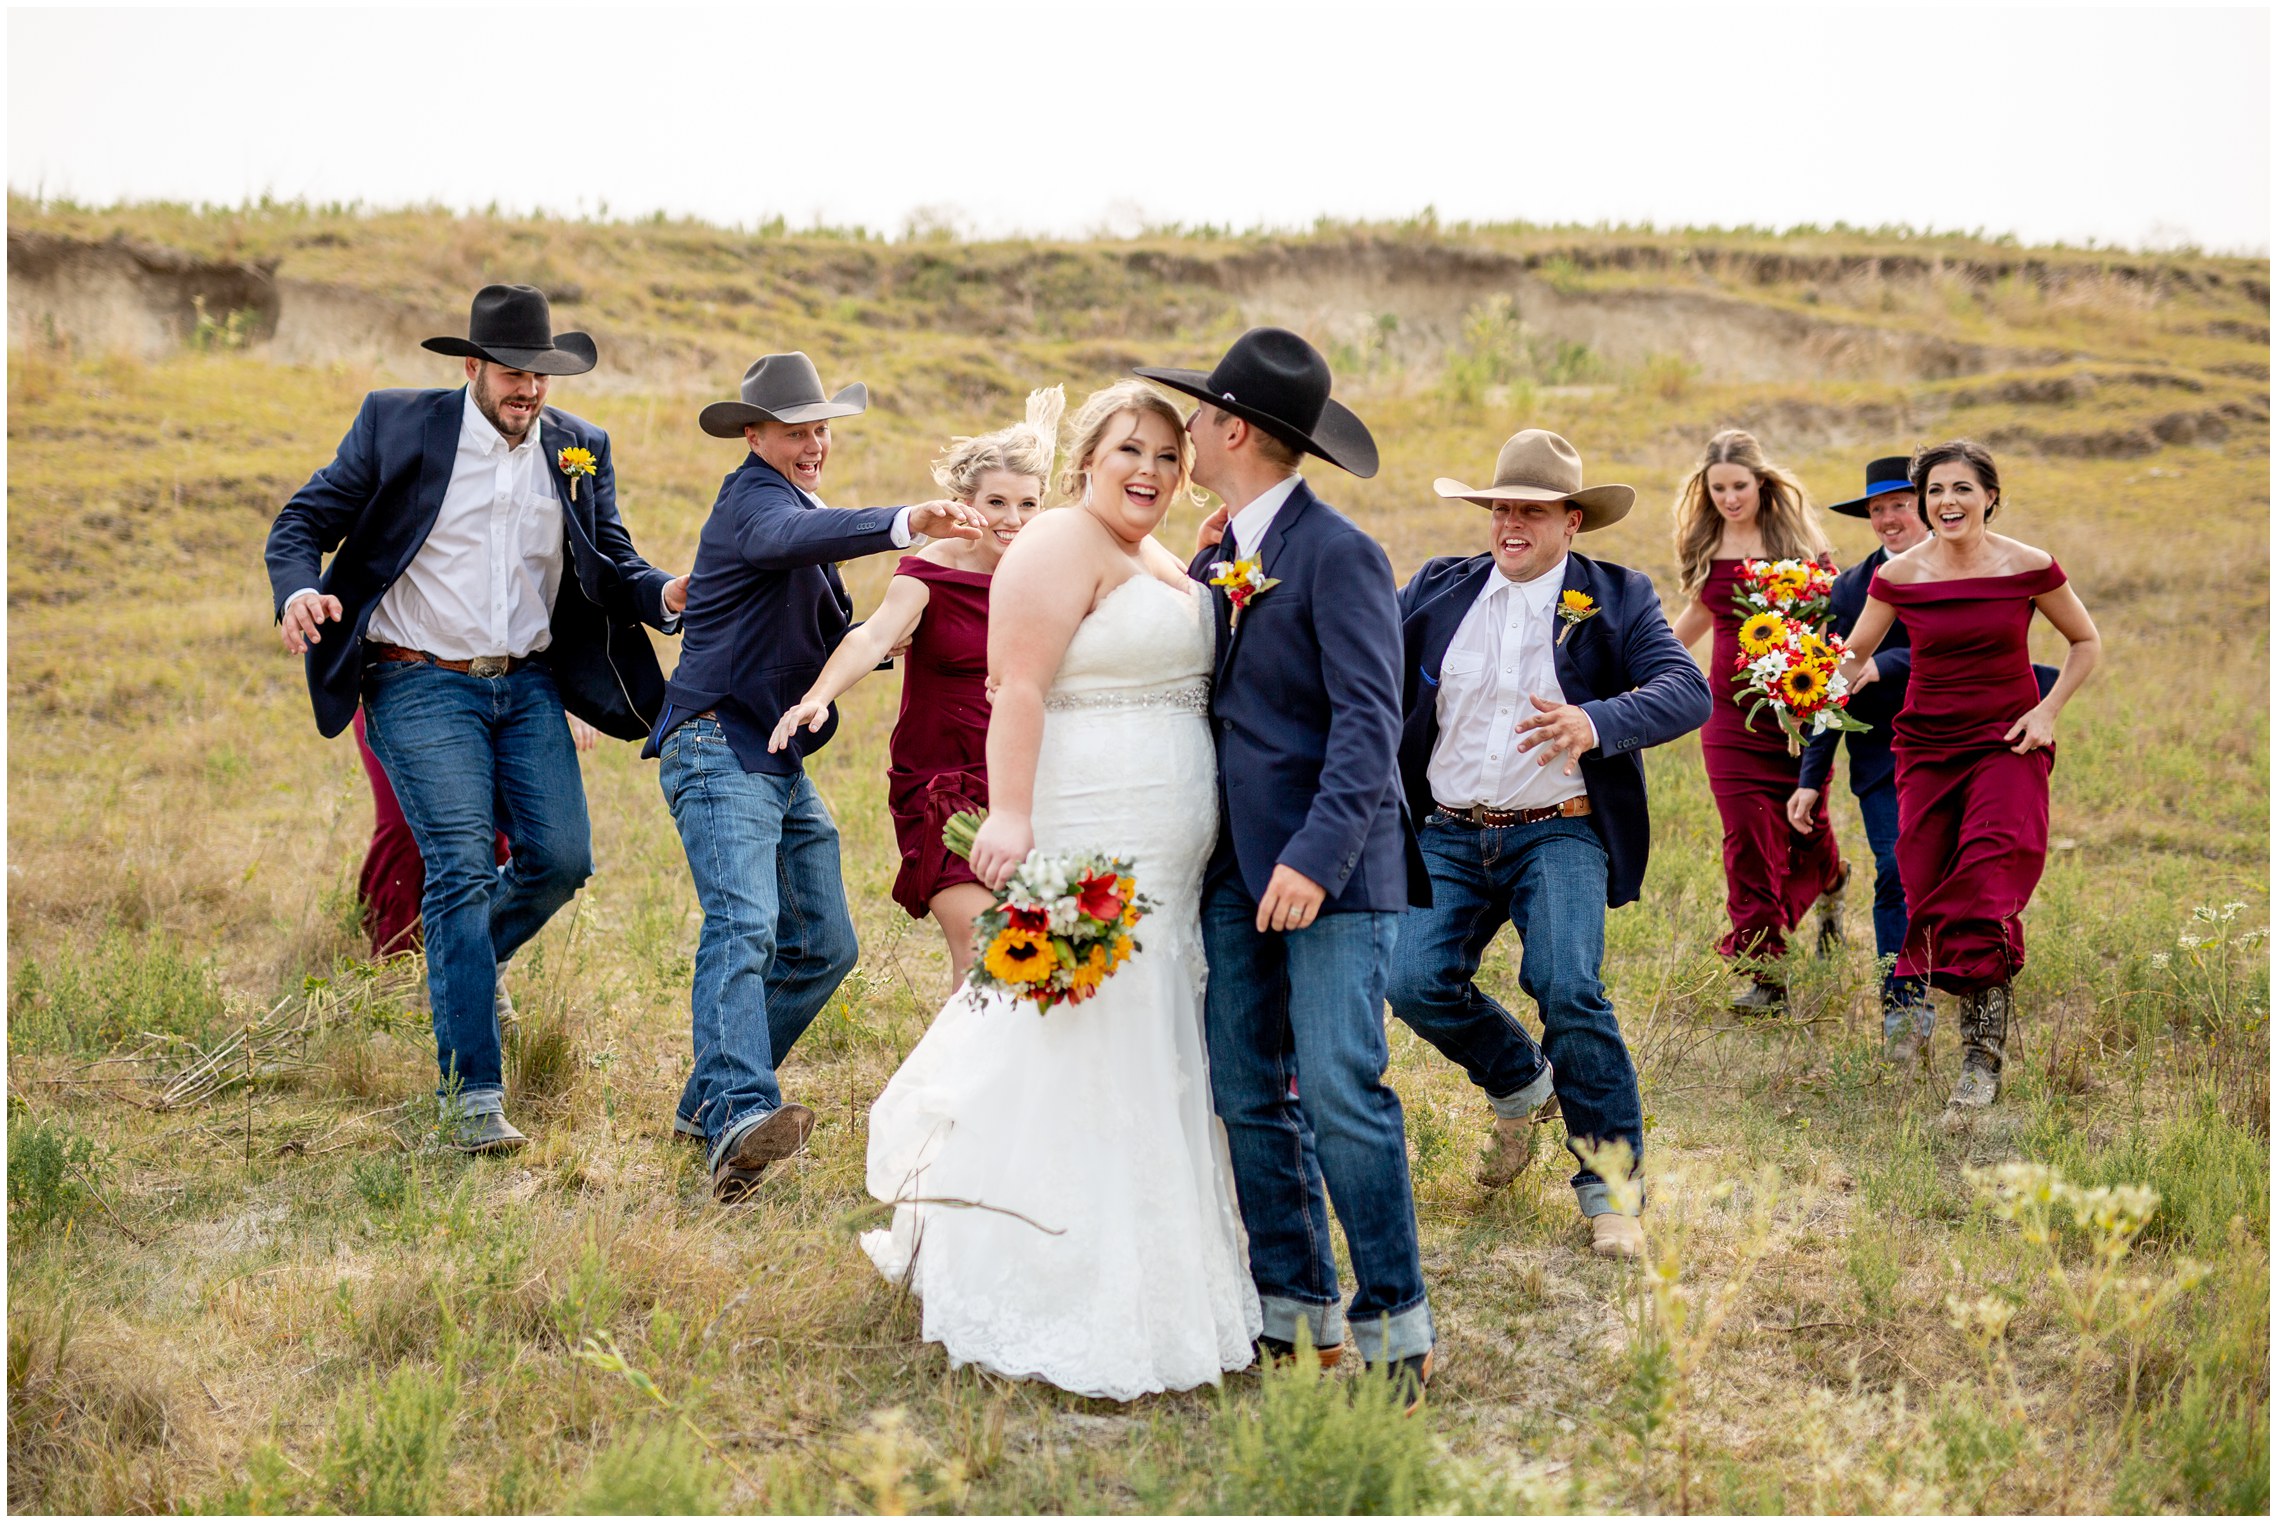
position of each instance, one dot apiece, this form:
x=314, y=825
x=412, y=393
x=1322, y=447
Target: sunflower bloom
x=1021, y=957
x=1804, y=687
x=1816, y=651
x=1762, y=632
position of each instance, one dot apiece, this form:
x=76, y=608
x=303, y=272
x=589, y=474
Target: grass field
x=273, y=1292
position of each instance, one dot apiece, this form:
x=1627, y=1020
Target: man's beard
x=487, y=405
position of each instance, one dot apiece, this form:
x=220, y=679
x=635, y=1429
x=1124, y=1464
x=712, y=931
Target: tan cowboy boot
x=1510, y=1145
x=1614, y=1236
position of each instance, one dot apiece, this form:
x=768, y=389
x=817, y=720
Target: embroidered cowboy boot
x=1832, y=936
x=1984, y=1047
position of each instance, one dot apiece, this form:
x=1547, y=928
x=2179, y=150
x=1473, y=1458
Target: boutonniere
x=575, y=462
x=1244, y=582
x=1573, y=607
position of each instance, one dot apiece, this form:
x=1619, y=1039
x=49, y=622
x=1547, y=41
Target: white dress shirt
x=1250, y=526
x=484, y=582
x=1504, y=650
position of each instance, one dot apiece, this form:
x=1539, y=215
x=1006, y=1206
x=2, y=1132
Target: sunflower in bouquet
x=1061, y=926
x=1794, y=671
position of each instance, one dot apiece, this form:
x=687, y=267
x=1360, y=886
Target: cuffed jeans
x=1311, y=1003
x=1900, y=996
x=1547, y=880
x=777, y=940
x=470, y=757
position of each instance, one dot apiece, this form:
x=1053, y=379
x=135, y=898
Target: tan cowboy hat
x=1537, y=466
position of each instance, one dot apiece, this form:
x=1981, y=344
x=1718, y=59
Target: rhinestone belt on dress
x=1194, y=698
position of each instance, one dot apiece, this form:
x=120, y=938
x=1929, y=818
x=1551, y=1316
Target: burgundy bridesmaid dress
x=1772, y=876
x=939, y=753
x=1972, y=814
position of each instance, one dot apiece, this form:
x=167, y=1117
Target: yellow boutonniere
x=1573, y=607
x=575, y=462
x=1244, y=582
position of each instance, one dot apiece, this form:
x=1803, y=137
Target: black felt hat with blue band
x=1887, y=474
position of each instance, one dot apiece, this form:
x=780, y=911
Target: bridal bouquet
x=1060, y=927
x=1790, y=668
x=1794, y=590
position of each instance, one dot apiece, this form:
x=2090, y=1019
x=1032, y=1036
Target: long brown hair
x=1783, y=512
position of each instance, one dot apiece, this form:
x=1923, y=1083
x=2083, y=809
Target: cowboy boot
x=1762, y=996
x=1905, y=1027
x=1832, y=937
x=1510, y=1145
x=1984, y=1046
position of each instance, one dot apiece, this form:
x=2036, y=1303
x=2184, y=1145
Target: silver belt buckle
x=488, y=666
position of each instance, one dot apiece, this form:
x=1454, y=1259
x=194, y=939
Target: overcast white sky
x=2124, y=126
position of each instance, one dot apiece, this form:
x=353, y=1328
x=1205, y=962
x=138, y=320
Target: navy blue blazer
x=765, y=610
x=1305, y=711
x=1872, y=764
x=375, y=504
x=1621, y=665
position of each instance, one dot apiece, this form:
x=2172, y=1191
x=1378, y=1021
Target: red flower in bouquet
x=1028, y=917
x=1101, y=897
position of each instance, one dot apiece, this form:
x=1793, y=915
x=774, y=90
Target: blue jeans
x=1311, y=1002
x=1900, y=996
x=468, y=757
x=1547, y=880
x=777, y=940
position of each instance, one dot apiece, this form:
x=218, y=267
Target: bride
x=1064, y=1204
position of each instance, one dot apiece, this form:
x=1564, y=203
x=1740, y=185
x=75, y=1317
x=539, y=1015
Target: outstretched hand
x=1558, y=729
x=946, y=519
x=807, y=713
x=302, y=615
x=676, y=593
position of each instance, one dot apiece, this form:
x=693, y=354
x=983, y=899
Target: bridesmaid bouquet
x=1061, y=926
x=1790, y=668
x=1795, y=590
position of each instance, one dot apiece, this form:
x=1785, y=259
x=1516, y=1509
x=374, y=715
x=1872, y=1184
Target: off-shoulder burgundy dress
x=1972, y=814
x=1772, y=876
x=939, y=753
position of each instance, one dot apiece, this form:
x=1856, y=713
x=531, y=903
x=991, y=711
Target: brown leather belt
x=1481, y=817
x=480, y=666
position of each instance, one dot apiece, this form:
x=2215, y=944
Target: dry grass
x=290, y=1299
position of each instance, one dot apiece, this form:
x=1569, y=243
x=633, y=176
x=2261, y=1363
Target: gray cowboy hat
x=1275, y=380
x=513, y=326
x=1537, y=466
x=781, y=388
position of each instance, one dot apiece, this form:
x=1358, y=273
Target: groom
x=1313, y=860
x=483, y=581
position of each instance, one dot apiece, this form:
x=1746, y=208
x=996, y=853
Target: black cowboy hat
x=513, y=326
x=1274, y=379
x=781, y=388
x=1888, y=474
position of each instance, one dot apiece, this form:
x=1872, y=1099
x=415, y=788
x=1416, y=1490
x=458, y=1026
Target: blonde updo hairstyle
x=1100, y=411
x=1783, y=512
x=1024, y=449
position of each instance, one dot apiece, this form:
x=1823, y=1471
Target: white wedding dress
x=1092, y=1121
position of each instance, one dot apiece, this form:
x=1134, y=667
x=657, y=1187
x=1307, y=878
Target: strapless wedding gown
x=1129, y=1273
